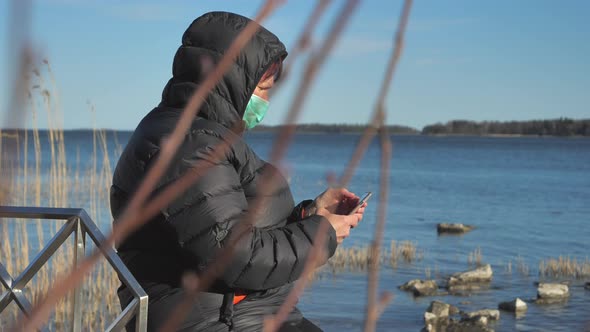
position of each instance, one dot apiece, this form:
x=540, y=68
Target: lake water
x=529, y=199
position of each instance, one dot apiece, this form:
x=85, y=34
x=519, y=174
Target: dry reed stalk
x=564, y=267
x=130, y=219
x=359, y=258
x=61, y=261
x=521, y=266
x=3, y=186
x=93, y=171
x=408, y=251
x=6, y=248
x=106, y=173
x=374, y=308
x=37, y=147
x=56, y=126
x=51, y=136
x=475, y=257
x=37, y=189
x=25, y=164
x=20, y=231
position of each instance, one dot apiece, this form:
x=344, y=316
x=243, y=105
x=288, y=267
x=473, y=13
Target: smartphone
x=361, y=202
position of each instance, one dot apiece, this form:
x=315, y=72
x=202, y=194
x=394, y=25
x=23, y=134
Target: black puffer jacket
x=189, y=232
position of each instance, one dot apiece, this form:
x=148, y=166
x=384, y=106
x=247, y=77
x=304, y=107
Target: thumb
x=345, y=193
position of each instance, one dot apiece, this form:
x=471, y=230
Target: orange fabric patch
x=238, y=298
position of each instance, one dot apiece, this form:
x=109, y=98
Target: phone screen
x=361, y=202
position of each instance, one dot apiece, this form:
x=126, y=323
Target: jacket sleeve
x=270, y=258
x=205, y=216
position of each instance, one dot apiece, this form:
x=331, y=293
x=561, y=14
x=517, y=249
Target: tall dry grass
x=564, y=267
x=58, y=185
x=359, y=258
x=475, y=257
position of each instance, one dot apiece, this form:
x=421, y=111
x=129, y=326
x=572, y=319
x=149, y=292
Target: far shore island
x=551, y=127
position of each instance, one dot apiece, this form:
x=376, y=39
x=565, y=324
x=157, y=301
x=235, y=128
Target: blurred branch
x=20, y=53
x=246, y=223
x=384, y=300
x=383, y=92
x=315, y=62
x=373, y=307
x=131, y=218
x=303, y=41
x=273, y=323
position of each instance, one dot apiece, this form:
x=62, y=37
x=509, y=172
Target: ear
x=263, y=87
x=266, y=83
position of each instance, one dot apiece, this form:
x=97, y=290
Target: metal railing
x=79, y=223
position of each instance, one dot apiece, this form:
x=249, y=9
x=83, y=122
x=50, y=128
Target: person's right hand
x=341, y=223
x=336, y=200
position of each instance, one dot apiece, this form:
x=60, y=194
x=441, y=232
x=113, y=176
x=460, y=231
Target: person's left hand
x=336, y=200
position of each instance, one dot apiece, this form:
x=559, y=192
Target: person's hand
x=360, y=212
x=341, y=223
x=336, y=200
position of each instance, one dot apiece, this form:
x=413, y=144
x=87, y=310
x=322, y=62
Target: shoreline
x=10, y=132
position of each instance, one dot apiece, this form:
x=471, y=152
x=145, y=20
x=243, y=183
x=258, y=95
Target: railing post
x=77, y=300
x=141, y=315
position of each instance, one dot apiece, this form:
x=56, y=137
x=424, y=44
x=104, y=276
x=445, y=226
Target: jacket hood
x=203, y=45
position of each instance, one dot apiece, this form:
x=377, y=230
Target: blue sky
x=477, y=60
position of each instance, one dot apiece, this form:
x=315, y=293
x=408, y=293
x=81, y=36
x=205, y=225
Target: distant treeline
x=338, y=129
x=555, y=127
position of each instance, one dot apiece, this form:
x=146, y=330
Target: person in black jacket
x=189, y=232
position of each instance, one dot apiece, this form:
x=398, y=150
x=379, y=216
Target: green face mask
x=255, y=111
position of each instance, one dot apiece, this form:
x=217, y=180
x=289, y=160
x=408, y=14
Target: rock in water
x=453, y=228
x=547, y=293
x=436, y=317
x=587, y=285
x=410, y=284
x=490, y=314
x=476, y=324
x=439, y=309
x=480, y=274
x=420, y=287
x=516, y=305
x=429, y=317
